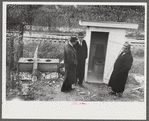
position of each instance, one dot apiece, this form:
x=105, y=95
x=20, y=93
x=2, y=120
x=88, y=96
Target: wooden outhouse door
x=115, y=43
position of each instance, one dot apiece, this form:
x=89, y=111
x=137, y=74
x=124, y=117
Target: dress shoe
x=119, y=94
x=81, y=85
x=112, y=93
x=64, y=91
x=75, y=84
x=72, y=89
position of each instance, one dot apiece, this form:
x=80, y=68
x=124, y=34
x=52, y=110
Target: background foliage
x=69, y=15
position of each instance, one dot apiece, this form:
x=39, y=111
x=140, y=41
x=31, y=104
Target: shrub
x=138, y=66
x=138, y=52
x=29, y=49
x=45, y=50
x=138, y=63
x=50, y=50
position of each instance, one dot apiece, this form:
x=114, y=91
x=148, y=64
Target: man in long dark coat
x=120, y=72
x=81, y=48
x=70, y=61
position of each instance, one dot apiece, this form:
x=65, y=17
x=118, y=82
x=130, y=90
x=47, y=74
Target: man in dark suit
x=81, y=48
x=120, y=72
x=70, y=61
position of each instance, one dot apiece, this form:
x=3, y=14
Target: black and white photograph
x=74, y=56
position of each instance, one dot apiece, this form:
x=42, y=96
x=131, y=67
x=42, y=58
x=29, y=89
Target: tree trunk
x=11, y=53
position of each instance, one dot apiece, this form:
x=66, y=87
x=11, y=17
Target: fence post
x=35, y=66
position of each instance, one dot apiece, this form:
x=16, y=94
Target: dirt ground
x=50, y=90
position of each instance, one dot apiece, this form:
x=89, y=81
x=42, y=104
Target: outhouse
x=104, y=41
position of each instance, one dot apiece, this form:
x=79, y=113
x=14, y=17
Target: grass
x=138, y=52
x=46, y=50
x=138, y=60
x=137, y=68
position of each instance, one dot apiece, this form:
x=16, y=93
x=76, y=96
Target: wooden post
x=35, y=66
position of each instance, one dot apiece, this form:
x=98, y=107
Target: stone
x=82, y=93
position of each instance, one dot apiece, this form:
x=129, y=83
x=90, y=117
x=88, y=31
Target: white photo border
x=70, y=110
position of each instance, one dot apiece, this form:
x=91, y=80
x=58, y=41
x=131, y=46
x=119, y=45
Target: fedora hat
x=73, y=39
x=80, y=34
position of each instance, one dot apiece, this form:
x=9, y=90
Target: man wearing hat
x=70, y=61
x=120, y=72
x=81, y=48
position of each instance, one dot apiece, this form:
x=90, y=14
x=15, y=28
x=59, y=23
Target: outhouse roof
x=121, y=25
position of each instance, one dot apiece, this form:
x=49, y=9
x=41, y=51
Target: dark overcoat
x=81, y=57
x=81, y=51
x=120, y=72
x=70, y=61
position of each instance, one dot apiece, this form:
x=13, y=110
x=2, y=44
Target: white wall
x=115, y=42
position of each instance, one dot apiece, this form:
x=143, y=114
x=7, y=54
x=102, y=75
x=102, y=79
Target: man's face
x=125, y=49
x=80, y=38
x=73, y=43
